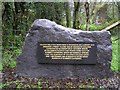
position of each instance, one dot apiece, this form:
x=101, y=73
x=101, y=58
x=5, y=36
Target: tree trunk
x=75, y=15
x=6, y=10
x=103, y=16
x=87, y=16
x=118, y=9
x=67, y=11
x=3, y=8
x=18, y=11
x=92, y=12
x=113, y=9
x=16, y=17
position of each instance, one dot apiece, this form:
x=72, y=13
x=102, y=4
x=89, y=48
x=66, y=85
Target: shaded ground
x=11, y=80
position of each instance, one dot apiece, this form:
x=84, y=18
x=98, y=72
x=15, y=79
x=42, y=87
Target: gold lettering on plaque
x=67, y=51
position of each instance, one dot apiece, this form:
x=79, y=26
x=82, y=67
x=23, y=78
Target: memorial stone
x=54, y=51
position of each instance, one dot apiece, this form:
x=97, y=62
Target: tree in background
x=15, y=22
x=118, y=3
x=50, y=10
x=68, y=14
x=76, y=21
x=17, y=17
x=87, y=16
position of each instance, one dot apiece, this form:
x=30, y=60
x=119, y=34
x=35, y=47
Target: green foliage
x=9, y=83
x=1, y=67
x=20, y=85
x=100, y=89
x=86, y=86
x=95, y=27
x=39, y=85
x=115, y=59
x=9, y=58
x=50, y=10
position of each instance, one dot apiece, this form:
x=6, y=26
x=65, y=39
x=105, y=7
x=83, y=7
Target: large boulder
x=43, y=30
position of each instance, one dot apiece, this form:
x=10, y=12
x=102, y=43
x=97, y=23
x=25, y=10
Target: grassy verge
x=9, y=58
x=114, y=65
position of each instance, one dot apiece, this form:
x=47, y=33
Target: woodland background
x=17, y=18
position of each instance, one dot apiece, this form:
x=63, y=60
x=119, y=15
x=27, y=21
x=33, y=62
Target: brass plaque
x=67, y=53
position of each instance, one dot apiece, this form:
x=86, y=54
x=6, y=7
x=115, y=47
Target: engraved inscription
x=67, y=51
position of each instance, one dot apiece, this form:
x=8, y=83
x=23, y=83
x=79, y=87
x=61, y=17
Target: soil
x=15, y=81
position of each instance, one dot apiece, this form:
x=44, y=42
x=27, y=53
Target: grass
x=97, y=27
x=115, y=62
x=9, y=58
x=20, y=85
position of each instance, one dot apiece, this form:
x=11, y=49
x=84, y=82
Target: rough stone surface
x=48, y=31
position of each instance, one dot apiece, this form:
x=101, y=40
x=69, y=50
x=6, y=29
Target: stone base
x=61, y=71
